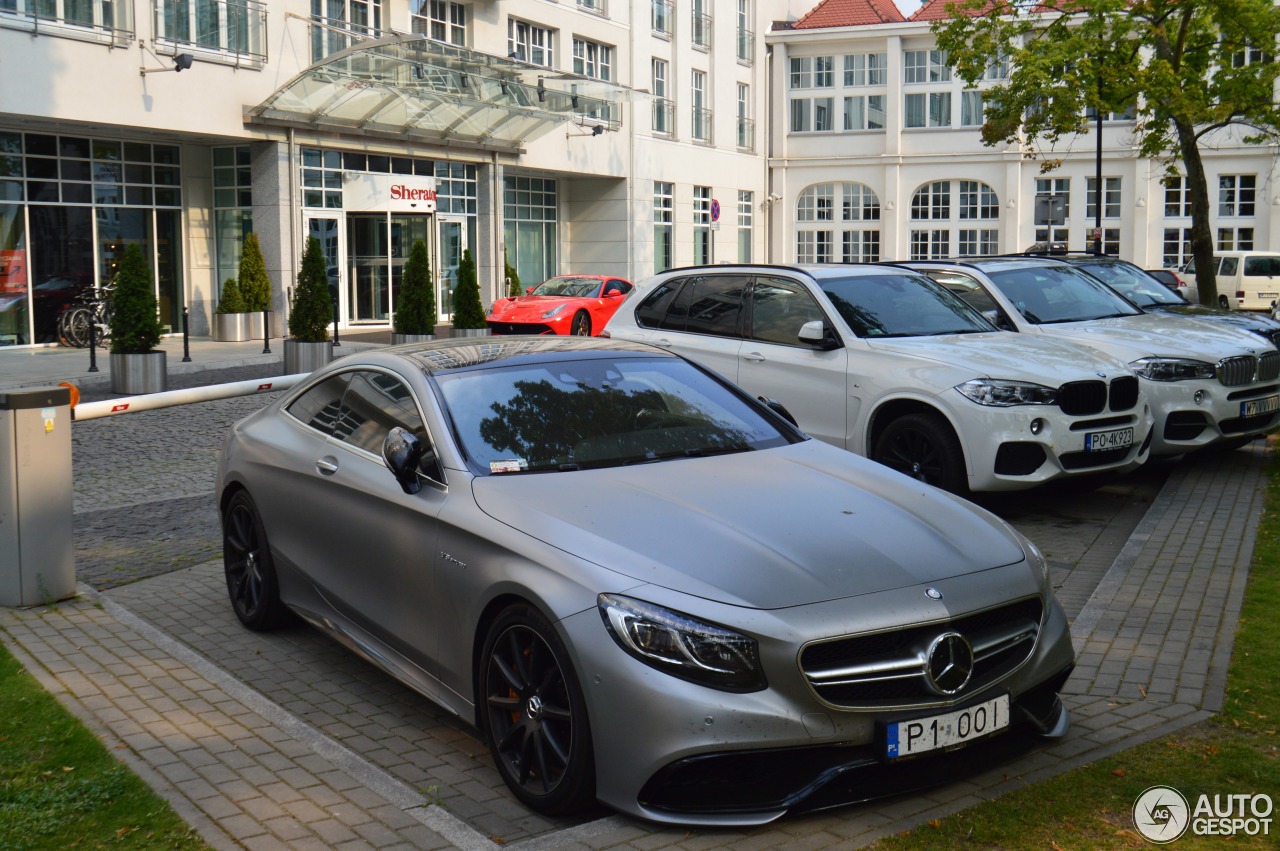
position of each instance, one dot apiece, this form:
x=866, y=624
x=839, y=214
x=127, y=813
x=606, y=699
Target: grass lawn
x=1236, y=752
x=61, y=788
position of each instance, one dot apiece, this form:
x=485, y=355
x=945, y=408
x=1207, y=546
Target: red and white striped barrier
x=169, y=398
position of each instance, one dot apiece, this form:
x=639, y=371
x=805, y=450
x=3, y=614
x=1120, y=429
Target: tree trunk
x=1201, y=235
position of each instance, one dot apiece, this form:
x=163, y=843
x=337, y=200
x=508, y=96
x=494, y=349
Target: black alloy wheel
x=251, y=576
x=581, y=324
x=534, y=715
x=923, y=446
x=1224, y=302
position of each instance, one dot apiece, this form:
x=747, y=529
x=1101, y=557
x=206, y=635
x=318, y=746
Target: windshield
x=573, y=415
x=1132, y=283
x=1049, y=294
x=571, y=287
x=901, y=305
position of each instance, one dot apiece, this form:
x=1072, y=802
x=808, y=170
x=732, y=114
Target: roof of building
x=936, y=10
x=850, y=13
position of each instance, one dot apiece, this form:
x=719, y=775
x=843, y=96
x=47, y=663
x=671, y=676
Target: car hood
x=1160, y=334
x=529, y=308
x=767, y=529
x=1003, y=354
x=1252, y=322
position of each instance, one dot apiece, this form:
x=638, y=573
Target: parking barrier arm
x=169, y=398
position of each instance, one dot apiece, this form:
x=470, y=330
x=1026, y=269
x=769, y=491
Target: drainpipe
x=294, y=213
x=768, y=153
x=501, y=271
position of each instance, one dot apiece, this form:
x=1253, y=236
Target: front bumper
x=673, y=751
x=1184, y=424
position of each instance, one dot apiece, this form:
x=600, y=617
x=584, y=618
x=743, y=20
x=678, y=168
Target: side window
x=652, y=312
x=320, y=406
x=621, y=286
x=968, y=289
x=714, y=304
x=1229, y=266
x=779, y=308
x=375, y=403
x=1262, y=266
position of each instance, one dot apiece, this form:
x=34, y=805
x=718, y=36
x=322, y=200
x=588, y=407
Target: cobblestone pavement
x=288, y=740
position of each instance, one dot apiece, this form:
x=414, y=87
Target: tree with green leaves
x=467, y=310
x=231, y=300
x=513, y=277
x=135, y=327
x=416, y=301
x=1193, y=72
x=311, y=311
x=255, y=284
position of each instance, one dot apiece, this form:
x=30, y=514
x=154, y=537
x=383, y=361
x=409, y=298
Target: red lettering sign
x=399, y=192
x=119, y=408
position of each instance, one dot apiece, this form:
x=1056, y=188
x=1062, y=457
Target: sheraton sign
x=394, y=193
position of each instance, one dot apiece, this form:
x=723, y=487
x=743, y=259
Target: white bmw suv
x=885, y=362
x=1210, y=384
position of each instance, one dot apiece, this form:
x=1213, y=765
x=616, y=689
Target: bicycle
x=75, y=321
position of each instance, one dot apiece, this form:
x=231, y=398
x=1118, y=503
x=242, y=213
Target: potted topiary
x=468, y=314
x=415, y=318
x=231, y=320
x=255, y=286
x=135, y=329
x=308, y=347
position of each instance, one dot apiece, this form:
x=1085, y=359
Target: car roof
x=993, y=264
x=816, y=271
x=441, y=356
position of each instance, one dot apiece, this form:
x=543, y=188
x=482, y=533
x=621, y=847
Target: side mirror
x=613, y=293
x=776, y=406
x=528, y=290
x=402, y=451
x=997, y=319
x=817, y=331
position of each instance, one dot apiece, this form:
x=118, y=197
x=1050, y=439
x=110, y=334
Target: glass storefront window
x=233, y=209
x=530, y=213
x=14, y=302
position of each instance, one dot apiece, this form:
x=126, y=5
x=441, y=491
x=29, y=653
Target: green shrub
x=513, y=277
x=255, y=285
x=312, y=309
x=416, y=302
x=135, y=327
x=232, y=301
x=467, y=310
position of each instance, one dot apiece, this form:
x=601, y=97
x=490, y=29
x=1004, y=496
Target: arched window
x=851, y=210
x=956, y=211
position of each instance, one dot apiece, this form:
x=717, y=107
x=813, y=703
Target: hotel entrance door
x=378, y=245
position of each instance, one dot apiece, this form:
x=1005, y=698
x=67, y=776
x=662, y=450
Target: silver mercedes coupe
x=644, y=587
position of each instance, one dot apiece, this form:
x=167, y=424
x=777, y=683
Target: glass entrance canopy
x=410, y=86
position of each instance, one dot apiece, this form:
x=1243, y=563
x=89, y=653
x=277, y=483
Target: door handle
x=666, y=344
x=753, y=356
x=326, y=467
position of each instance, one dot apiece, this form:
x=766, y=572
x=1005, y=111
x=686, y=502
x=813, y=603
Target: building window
x=865, y=69
x=930, y=244
x=701, y=113
x=1110, y=240
x=816, y=207
x=237, y=27
x=926, y=66
x=812, y=115
x=663, y=108
x=816, y=204
x=592, y=60
x=928, y=109
x=1055, y=187
x=361, y=18
x=663, y=209
x=701, y=225
x=1177, y=197
x=701, y=34
x=746, y=38
x=932, y=201
x=746, y=209
x=978, y=243
x=824, y=76
x=1110, y=201
x=1177, y=247
x=998, y=69
x=529, y=43
x=599, y=7
x=971, y=109
x=861, y=246
x=864, y=112
x=660, y=17
x=978, y=201
x=322, y=178
x=232, y=209
x=1235, y=239
x=1237, y=194
x=813, y=246
x=746, y=126
x=802, y=72
x=103, y=21
x=441, y=20
x=859, y=203
x=530, y=211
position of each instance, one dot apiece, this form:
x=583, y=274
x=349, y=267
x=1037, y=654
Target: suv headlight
x=683, y=647
x=1172, y=369
x=554, y=311
x=1000, y=393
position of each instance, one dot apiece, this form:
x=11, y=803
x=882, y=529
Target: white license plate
x=1098, y=441
x=1268, y=295
x=1256, y=407
x=908, y=738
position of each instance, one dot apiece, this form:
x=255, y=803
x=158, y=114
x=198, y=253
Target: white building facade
x=876, y=153
x=589, y=136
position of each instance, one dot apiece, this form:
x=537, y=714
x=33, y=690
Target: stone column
x=276, y=223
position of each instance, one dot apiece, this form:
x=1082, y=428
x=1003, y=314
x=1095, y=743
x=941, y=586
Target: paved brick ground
x=288, y=741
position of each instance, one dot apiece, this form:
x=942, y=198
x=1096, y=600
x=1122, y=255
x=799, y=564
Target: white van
x=1247, y=280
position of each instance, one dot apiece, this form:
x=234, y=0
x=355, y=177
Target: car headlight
x=1000, y=393
x=682, y=646
x=554, y=311
x=1172, y=369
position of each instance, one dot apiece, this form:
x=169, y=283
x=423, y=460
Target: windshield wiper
x=694, y=452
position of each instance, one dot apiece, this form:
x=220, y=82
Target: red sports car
x=566, y=304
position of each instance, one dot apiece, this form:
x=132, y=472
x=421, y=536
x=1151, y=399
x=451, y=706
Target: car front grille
x=1080, y=398
x=1124, y=393
x=1242, y=369
x=888, y=669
